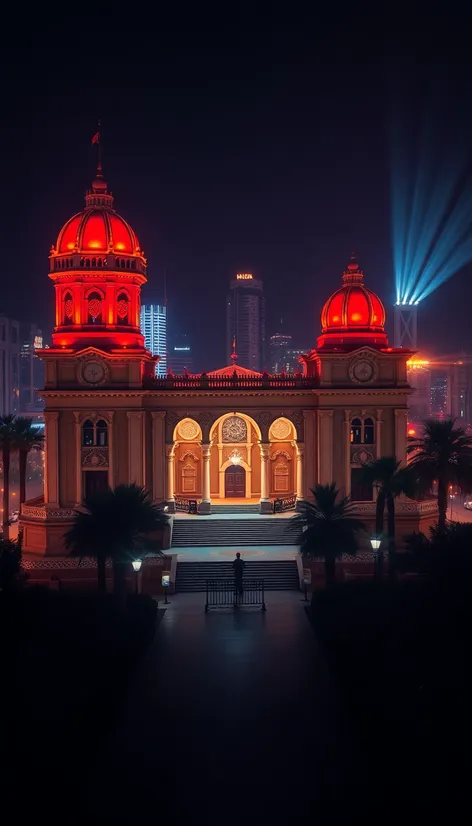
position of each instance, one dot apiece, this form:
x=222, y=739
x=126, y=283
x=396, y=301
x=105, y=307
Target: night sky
x=259, y=147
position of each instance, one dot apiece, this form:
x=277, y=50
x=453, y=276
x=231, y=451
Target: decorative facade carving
x=234, y=429
x=279, y=453
x=231, y=452
x=188, y=429
x=205, y=420
x=360, y=457
x=95, y=457
x=280, y=429
x=189, y=455
x=171, y=421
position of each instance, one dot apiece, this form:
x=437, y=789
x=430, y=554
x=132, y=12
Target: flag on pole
x=96, y=138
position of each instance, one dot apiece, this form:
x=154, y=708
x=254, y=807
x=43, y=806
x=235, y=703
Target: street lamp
x=136, y=563
x=378, y=559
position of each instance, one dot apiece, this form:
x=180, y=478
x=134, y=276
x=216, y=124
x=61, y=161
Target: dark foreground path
x=233, y=718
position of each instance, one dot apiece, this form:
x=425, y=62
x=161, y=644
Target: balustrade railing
x=204, y=382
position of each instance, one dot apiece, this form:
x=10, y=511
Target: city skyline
x=285, y=198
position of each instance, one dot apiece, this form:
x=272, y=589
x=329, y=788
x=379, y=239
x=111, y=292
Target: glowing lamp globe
x=353, y=315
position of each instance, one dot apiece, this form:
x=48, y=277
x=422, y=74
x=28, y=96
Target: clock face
x=363, y=371
x=93, y=372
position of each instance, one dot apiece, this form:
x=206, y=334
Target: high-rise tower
x=245, y=320
x=154, y=330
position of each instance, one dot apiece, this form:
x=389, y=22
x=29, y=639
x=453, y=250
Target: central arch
x=235, y=442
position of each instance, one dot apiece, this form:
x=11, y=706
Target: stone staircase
x=277, y=575
x=210, y=531
x=255, y=508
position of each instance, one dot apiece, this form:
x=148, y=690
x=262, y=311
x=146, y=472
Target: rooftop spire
x=234, y=355
x=99, y=195
x=353, y=273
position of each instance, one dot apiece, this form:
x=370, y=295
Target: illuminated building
x=229, y=434
x=10, y=347
x=439, y=387
x=279, y=345
x=180, y=357
x=154, y=330
x=457, y=367
x=31, y=369
x=419, y=378
x=245, y=320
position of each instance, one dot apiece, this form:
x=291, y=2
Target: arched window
x=100, y=262
x=101, y=432
x=368, y=432
x=68, y=309
x=356, y=432
x=122, y=307
x=87, y=262
x=94, y=308
x=88, y=433
x=95, y=435
x=127, y=264
x=133, y=264
x=94, y=262
x=82, y=262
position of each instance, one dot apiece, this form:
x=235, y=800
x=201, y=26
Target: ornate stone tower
x=97, y=360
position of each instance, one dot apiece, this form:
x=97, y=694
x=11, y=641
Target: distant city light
x=431, y=196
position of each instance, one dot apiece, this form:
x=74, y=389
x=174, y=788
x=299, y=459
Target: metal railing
x=223, y=593
x=286, y=504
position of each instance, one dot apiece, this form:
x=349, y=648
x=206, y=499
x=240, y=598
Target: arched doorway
x=235, y=482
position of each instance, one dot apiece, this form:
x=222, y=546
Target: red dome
x=98, y=228
x=353, y=311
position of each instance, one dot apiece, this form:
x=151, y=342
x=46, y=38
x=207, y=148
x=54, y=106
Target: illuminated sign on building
x=182, y=349
x=38, y=342
x=244, y=276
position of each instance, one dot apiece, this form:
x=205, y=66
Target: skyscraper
x=245, y=320
x=154, y=330
x=179, y=354
x=31, y=369
x=10, y=347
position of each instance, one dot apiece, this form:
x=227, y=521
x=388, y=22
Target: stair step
x=255, y=530
x=278, y=575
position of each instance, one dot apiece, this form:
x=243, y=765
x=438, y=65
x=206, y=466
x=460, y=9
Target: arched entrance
x=235, y=482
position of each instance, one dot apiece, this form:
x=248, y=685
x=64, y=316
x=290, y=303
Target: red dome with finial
x=353, y=313
x=98, y=228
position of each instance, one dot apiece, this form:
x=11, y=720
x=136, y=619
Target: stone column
x=347, y=448
x=158, y=453
x=378, y=434
x=51, y=459
x=111, y=447
x=135, y=447
x=205, y=504
x=325, y=446
x=170, y=500
x=78, y=460
x=266, y=504
x=400, y=434
x=300, y=471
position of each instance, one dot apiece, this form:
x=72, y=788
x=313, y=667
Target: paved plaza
x=232, y=718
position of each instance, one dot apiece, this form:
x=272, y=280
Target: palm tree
x=444, y=453
x=329, y=529
x=27, y=437
x=116, y=524
x=7, y=446
x=391, y=480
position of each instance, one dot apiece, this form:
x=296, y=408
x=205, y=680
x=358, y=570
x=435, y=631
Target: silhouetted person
x=238, y=568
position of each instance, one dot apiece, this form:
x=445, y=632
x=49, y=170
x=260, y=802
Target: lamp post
x=136, y=563
x=375, y=542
